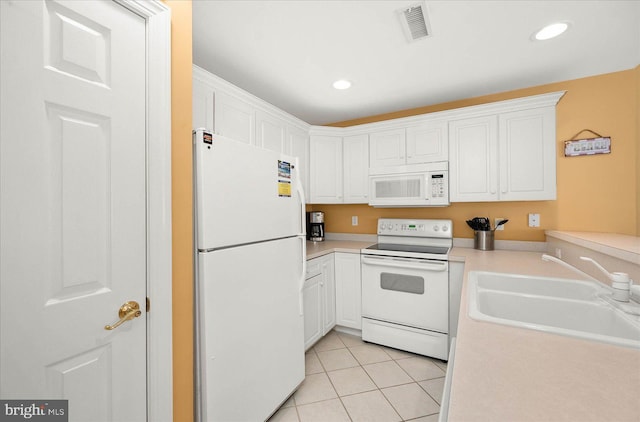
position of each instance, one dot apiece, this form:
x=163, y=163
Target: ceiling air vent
x=414, y=22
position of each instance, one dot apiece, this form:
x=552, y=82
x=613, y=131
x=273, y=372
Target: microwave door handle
x=415, y=265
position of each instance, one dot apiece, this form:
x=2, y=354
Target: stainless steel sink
x=560, y=306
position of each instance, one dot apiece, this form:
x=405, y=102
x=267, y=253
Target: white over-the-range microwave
x=416, y=185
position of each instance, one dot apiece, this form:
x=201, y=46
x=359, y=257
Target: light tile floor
x=350, y=380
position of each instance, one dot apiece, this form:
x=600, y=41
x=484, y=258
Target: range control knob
x=436, y=228
x=383, y=226
x=445, y=228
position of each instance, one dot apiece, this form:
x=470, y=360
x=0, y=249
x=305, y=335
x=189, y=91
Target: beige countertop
x=620, y=246
x=508, y=374
x=316, y=249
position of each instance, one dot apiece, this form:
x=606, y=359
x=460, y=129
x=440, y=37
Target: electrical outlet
x=495, y=224
x=354, y=220
x=534, y=220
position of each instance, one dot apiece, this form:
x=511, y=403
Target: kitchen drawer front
x=314, y=267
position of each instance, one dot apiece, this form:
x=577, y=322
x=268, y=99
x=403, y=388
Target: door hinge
x=148, y=305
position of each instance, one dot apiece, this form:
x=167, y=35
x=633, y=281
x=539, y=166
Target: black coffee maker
x=315, y=226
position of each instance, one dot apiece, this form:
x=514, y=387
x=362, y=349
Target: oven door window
x=402, y=283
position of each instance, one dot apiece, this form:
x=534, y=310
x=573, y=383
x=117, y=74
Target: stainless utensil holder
x=483, y=240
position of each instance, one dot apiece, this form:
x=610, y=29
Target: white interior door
x=73, y=197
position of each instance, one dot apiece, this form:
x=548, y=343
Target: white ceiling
x=290, y=52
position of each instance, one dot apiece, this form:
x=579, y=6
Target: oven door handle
x=406, y=263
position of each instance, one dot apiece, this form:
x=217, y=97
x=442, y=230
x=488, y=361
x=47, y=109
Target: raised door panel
x=348, y=290
x=270, y=132
x=298, y=145
x=326, y=169
x=203, y=99
x=527, y=155
x=356, y=169
x=473, y=154
x=328, y=294
x=234, y=118
x=428, y=143
x=312, y=308
x=387, y=148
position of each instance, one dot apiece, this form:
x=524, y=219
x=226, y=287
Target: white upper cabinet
x=428, y=142
x=473, y=159
x=297, y=144
x=339, y=168
x=234, y=118
x=505, y=156
x=527, y=155
x=356, y=169
x=203, y=99
x=387, y=148
x=425, y=142
x=270, y=132
x=326, y=170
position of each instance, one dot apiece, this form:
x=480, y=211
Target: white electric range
x=405, y=286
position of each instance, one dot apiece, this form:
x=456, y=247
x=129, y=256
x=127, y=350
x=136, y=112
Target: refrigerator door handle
x=303, y=276
x=301, y=197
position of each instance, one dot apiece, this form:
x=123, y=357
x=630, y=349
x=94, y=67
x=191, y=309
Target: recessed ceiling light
x=551, y=31
x=342, y=84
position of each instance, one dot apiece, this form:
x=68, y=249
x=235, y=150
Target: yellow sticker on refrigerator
x=284, y=179
x=284, y=189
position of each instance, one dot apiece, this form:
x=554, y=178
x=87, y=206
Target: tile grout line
x=334, y=387
x=361, y=366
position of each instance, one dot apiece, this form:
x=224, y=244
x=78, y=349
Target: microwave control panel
x=438, y=185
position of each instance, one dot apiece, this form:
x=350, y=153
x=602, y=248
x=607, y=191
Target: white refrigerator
x=250, y=269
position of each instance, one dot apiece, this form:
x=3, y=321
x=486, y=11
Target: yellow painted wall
x=181, y=170
x=595, y=193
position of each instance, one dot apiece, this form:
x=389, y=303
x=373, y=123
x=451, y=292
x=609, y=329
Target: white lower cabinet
x=348, y=290
x=312, y=303
x=319, y=299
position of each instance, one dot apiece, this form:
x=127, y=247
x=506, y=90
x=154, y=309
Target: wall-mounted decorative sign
x=587, y=146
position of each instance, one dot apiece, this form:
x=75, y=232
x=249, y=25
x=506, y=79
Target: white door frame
x=159, y=272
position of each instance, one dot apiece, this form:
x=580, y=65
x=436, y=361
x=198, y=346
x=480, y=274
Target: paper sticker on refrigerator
x=284, y=188
x=284, y=169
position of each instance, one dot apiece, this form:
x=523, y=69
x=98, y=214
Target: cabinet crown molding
x=523, y=103
x=516, y=104
x=222, y=85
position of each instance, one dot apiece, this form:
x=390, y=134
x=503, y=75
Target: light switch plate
x=354, y=220
x=534, y=220
x=495, y=224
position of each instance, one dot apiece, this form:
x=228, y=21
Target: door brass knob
x=129, y=310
